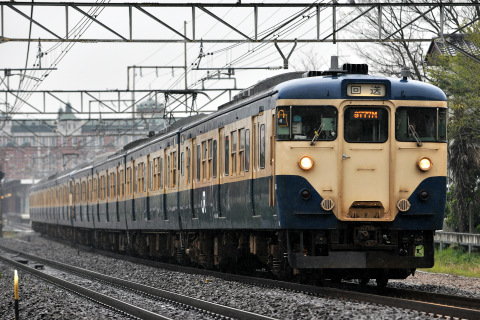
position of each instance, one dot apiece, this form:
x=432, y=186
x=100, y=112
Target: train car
x=336, y=174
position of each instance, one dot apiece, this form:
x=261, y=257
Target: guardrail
x=469, y=240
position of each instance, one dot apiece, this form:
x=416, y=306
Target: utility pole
x=185, y=63
x=2, y=174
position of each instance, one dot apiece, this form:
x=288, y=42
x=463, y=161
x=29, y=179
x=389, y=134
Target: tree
x=388, y=58
x=309, y=60
x=459, y=77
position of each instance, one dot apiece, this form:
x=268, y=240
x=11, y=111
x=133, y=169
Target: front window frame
x=439, y=136
x=296, y=128
x=348, y=125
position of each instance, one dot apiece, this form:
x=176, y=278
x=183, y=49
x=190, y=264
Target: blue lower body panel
x=297, y=213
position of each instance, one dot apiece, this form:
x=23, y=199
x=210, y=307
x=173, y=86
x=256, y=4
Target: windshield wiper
x=412, y=131
x=317, y=134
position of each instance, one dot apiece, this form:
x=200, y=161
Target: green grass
x=456, y=261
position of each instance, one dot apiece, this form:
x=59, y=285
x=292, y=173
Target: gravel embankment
x=41, y=301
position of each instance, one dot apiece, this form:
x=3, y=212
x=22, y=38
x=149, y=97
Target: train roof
x=334, y=87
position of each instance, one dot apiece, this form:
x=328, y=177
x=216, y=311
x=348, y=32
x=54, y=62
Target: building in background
x=456, y=42
x=31, y=150
x=35, y=149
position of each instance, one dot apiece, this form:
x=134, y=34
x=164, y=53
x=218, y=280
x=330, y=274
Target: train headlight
x=425, y=164
x=306, y=163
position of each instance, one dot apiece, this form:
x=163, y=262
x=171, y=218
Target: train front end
x=360, y=174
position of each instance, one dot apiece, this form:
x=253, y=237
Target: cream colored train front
x=360, y=173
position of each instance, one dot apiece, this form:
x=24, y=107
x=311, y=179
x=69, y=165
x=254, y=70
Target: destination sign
x=366, y=90
x=365, y=114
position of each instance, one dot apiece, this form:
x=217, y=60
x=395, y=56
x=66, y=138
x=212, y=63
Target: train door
x=71, y=207
x=149, y=187
x=117, y=192
x=190, y=175
x=366, y=163
x=271, y=166
x=262, y=179
x=254, y=162
x=221, y=170
x=133, y=191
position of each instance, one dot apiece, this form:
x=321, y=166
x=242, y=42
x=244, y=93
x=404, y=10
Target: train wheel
x=363, y=281
x=382, y=282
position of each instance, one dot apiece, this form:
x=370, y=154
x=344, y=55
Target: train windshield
x=301, y=123
x=426, y=124
x=366, y=125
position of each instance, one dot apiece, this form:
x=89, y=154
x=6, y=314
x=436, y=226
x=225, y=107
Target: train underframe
x=358, y=252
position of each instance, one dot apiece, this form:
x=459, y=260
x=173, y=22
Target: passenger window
x=102, y=185
x=174, y=169
x=150, y=175
x=227, y=155
x=160, y=176
x=84, y=193
x=182, y=163
x=144, y=177
x=214, y=165
x=426, y=124
x=306, y=122
x=247, y=150
x=198, y=163
x=204, y=160
x=112, y=185
x=167, y=172
x=241, y=150
x=366, y=125
x=262, y=146
x=95, y=191
x=77, y=189
x=107, y=177
x=234, y=152
x=135, y=183
x=210, y=159
x=188, y=165
x=121, y=184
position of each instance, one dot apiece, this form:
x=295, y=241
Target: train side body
x=230, y=185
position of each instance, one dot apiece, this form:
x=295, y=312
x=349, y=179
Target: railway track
x=429, y=303
x=165, y=297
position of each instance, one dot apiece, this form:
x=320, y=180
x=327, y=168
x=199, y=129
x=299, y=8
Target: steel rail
x=92, y=295
x=458, y=301
x=179, y=298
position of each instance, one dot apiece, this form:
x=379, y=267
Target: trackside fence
x=469, y=240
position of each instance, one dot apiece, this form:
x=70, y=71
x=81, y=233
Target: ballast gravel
x=41, y=300
x=44, y=301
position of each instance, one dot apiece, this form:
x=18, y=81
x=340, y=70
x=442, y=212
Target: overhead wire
x=179, y=78
x=250, y=51
x=81, y=27
x=243, y=57
x=264, y=46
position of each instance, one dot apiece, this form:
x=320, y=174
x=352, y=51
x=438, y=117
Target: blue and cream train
x=335, y=174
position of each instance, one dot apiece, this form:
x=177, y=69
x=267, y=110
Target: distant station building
x=35, y=149
x=31, y=150
x=14, y=204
